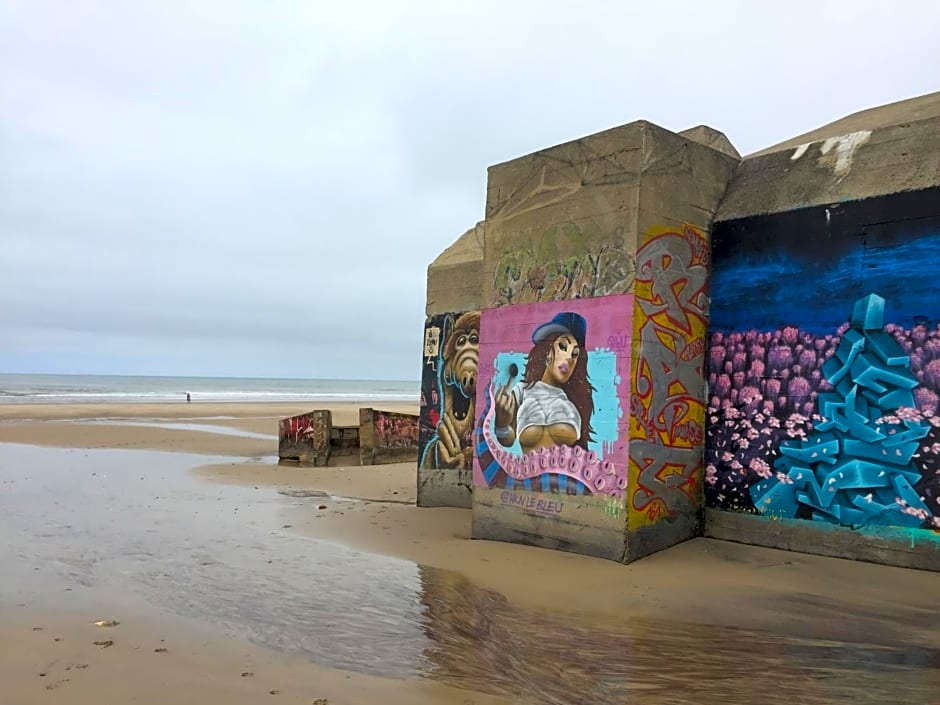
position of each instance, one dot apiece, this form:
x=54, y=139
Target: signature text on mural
x=530, y=502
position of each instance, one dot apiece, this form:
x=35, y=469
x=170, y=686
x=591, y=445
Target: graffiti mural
x=667, y=408
x=305, y=437
x=826, y=408
x=394, y=430
x=564, y=262
x=448, y=390
x=552, y=380
x=387, y=437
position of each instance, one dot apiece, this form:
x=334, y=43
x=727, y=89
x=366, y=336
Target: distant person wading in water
x=188, y=398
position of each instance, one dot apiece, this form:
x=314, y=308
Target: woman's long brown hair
x=578, y=388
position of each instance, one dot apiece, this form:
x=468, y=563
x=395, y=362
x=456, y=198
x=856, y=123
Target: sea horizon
x=52, y=388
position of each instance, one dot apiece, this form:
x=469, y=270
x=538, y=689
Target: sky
x=256, y=188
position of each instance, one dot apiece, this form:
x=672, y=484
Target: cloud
x=257, y=188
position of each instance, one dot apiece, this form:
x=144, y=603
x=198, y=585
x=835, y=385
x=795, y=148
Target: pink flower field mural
x=764, y=392
x=823, y=366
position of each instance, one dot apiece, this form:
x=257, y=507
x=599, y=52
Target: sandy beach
x=61, y=425
x=235, y=579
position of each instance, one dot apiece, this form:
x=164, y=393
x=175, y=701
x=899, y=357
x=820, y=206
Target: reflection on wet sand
x=133, y=524
x=480, y=641
x=180, y=425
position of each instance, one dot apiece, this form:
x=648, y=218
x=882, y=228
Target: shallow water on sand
x=182, y=426
x=133, y=524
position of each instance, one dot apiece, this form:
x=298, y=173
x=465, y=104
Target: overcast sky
x=256, y=188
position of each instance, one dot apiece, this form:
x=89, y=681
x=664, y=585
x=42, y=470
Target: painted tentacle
x=595, y=474
x=494, y=474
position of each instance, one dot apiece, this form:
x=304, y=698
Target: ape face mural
x=552, y=380
x=461, y=360
x=448, y=390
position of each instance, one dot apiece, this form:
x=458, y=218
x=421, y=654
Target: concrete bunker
x=381, y=437
x=632, y=247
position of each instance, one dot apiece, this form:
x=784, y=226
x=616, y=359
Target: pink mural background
x=506, y=338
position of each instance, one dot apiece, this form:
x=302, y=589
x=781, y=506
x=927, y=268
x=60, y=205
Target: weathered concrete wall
x=906, y=548
x=560, y=224
x=902, y=112
x=563, y=230
x=566, y=364
x=846, y=167
x=824, y=355
x=305, y=438
x=822, y=432
x=454, y=276
x=387, y=437
x=614, y=230
x=448, y=399
x=381, y=437
x=344, y=445
x=710, y=137
x=667, y=411
x=681, y=188
x=449, y=373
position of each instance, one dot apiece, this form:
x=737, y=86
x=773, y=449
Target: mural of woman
x=553, y=403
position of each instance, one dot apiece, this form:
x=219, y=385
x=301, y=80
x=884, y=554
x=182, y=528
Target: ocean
x=89, y=389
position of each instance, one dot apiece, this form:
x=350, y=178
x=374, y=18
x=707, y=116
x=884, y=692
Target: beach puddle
x=134, y=525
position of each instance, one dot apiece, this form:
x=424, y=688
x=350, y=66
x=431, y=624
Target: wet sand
x=59, y=425
x=330, y=583
x=700, y=581
x=53, y=658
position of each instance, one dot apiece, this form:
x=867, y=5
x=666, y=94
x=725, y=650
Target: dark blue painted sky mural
x=907, y=276
x=805, y=267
